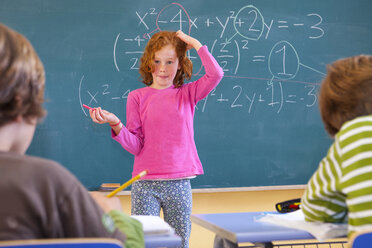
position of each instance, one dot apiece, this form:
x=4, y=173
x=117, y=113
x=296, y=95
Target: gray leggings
x=173, y=196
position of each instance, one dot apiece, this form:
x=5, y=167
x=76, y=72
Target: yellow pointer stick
x=126, y=184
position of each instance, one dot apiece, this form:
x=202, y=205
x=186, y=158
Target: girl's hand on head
x=190, y=41
x=101, y=116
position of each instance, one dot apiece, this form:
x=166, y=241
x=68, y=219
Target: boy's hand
x=107, y=204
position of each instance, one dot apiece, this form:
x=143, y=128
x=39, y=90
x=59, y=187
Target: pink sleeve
x=213, y=75
x=130, y=136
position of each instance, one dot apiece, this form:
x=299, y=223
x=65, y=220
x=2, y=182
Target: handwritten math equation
x=242, y=43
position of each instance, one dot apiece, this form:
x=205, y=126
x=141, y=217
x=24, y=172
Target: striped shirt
x=341, y=188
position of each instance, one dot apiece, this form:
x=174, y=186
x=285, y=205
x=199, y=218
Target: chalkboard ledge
x=234, y=189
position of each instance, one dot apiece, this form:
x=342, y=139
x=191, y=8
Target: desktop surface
x=243, y=227
x=155, y=241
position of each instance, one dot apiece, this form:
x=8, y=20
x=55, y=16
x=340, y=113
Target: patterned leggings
x=173, y=196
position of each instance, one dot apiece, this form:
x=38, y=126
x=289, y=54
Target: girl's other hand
x=190, y=41
x=101, y=116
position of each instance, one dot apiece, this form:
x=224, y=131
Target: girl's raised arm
x=190, y=41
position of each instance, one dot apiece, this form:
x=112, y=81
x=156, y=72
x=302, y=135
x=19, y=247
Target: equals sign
x=281, y=24
x=291, y=101
x=258, y=58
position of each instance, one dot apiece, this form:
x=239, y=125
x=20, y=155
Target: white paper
x=321, y=231
x=154, y=225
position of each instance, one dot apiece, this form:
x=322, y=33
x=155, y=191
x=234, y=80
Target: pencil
x=126, y=184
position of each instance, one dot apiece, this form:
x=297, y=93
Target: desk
x=151, y=241
x=155, y=241
x=242, y=227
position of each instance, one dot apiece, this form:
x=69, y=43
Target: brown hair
x=156, y=43
x=22, y=78
x=346, y=92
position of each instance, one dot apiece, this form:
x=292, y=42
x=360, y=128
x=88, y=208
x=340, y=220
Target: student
x=341, y=188
x=159, y=130
x=39, y=197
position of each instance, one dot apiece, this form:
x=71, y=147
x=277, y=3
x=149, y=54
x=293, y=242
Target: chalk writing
x=256, y=77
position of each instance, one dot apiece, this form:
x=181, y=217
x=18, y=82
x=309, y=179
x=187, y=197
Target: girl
x=159, y=130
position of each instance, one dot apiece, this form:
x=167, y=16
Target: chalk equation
x=243, y=41
x=238, y=96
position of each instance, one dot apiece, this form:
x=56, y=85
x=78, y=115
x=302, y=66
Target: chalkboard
x=261, y=125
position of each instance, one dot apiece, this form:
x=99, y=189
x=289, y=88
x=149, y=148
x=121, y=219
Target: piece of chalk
x=86, y=106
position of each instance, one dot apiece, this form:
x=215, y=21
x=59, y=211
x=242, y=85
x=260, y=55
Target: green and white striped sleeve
x=356, y=183
x=322, y=200
x=342, y=185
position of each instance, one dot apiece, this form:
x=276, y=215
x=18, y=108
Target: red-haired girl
x=159, y=130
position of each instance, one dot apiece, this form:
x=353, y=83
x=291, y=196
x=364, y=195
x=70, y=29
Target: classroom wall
x=224, y=202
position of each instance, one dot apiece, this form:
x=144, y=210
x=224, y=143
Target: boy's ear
x=19, y=118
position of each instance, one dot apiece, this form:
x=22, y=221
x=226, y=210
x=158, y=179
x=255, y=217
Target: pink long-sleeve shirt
x=159, y=129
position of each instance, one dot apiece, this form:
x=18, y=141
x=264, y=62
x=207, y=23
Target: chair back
x=63, y=243
x=361, y=239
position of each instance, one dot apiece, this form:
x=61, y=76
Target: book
x=109, y=186
x=320, y=230
x=154, y=225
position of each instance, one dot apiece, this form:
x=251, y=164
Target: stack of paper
x=321, y=231
x=154, y=225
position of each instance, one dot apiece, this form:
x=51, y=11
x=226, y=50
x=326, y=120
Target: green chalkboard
x=260, y=127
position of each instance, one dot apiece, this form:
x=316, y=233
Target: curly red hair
x=156, y=43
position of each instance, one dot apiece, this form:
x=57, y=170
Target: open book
x=296, y=219
x=154, y=225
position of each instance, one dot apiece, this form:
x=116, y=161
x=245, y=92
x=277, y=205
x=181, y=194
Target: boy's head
x=22, y=79
x=346, y=92
x=156, y=43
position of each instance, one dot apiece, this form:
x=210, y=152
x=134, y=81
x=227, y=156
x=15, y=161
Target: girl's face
x=165, y=67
